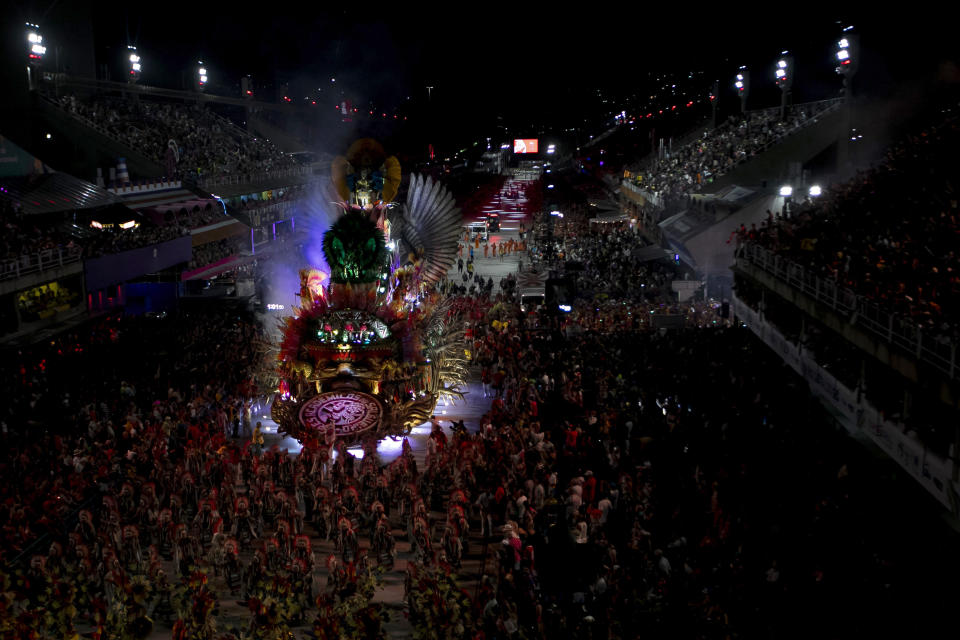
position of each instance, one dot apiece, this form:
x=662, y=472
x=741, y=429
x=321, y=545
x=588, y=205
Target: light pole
x=786, y=192
x=35, y=52
x=201, y=76
x=848, y=60
x=742, y=83
x=784, y=76
x=714, y=99
x=848, y=57
x=135, y=66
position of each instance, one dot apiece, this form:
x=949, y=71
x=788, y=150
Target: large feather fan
x=429, y=226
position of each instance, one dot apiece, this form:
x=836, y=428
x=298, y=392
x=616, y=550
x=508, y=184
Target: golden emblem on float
x=347, y=413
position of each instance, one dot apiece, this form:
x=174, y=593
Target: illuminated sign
x=346, y=412
x=526, y=145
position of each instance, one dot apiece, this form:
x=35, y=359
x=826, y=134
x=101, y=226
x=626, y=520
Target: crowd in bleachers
x=686, y=169
x=28, y=240
x=213, y=251
x=196, y=217
x=23, y=236
x=187, y=140
x=889, y=234
x=110, y=241
x=24, y=240
x=45, y=301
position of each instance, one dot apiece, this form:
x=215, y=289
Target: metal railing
x=37, y=262
x=254, y=177
x=894, y=329
x=817, y=109
x=817, y=106
x=268, y=212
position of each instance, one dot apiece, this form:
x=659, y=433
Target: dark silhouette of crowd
x=627, y=481
x=31, y=240
x=888, y=234
x=686, y=169
x=213, y=251
x=187, y=140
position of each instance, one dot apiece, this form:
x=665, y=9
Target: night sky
x=528, y=65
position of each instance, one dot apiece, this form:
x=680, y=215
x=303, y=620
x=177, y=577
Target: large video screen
x=526, y=145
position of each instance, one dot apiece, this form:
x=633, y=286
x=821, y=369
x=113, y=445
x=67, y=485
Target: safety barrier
x=818, y=109
x=37, y=262
x=858, y=416
x=937, y=351
x=260, y=177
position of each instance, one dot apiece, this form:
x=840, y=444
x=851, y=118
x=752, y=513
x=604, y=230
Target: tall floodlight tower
x=135, y=65
x=35, y=52
x=847, y=58
x=714, y=100
x=784, y=76
x=201, y=76
x=742, y=85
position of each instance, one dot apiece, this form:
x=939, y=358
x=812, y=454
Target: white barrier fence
x=858, y=416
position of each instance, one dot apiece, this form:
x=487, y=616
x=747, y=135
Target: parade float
x=372, y=346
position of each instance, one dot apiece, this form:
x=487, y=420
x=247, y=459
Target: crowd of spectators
x=46, y=300
x=888, y=234
x=24, y=241
x=108, y=241
x=187, y=140
x=28, y=240
x=196, y=217
x=213, y=251
x=686, y=169
x=276, y=196
x=23, y=236
x=76, y=444
x=626, y=482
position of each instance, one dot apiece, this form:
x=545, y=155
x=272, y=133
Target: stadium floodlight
x=815, y=191
x=135, y=66
x=35, y=47
x=786, y=191
x=846, y=54
x=35, y=51
x=742, y=84
x=784, y=77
